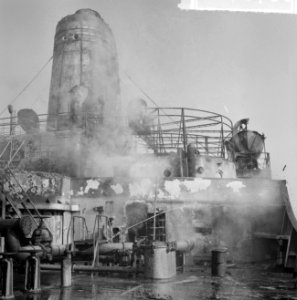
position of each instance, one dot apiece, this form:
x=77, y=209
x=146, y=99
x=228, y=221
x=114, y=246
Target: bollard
x=66, y=276
x=7, y=278
x=32, y=274
x=218, y=262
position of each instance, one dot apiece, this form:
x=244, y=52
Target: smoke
x=213, y=212
x=219, y=213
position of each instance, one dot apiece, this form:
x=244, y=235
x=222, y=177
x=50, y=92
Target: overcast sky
x=237, y=64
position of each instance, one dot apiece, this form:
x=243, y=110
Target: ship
x=143, y=193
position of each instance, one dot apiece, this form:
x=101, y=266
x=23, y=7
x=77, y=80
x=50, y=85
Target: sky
x=234, y=63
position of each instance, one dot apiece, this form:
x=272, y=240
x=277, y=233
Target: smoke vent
x=85, y=80
x=88, y=11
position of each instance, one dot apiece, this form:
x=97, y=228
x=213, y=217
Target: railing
x=71, y=230
x=167, y=129
x=11, y=127
x=164, y=129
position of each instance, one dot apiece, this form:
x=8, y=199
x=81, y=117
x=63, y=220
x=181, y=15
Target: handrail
x=71, y=228
x=162, y=129
x=163, y=123
x=28, y=199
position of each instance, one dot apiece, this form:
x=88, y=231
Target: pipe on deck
x=24, y=224
x=185, y=245
x=81, y=268
x=108, y=248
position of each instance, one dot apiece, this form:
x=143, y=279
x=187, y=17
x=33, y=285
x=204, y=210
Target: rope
x=146, y=220
x=144, y=93
x=147, y=96
x=27, y=85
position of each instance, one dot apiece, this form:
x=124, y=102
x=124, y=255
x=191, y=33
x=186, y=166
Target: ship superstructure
x=144, y=194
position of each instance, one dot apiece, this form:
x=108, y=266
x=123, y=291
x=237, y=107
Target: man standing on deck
x=108, y=231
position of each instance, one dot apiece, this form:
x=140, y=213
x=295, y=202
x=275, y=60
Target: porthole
x=200, y=170
x=167, y=173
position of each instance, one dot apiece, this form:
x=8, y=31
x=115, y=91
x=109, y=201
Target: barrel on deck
x=159, y=261
x=218, y=262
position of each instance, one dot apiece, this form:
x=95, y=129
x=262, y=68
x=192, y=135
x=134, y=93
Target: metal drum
x=159, y=262
x=218, y=262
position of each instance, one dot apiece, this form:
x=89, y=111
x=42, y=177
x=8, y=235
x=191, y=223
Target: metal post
x=3, y=206
x=222, y=137
x=185, y=142
x=154, y=224
x=2, y=244
x=98, y=239
x=7, y=278
x=10, y=110
x=66, y=276
x=160, y=132
x=206, y=145
x=32, y=275
x=181, y=166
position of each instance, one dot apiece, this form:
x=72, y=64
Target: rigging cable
x=147, y=96
x=144, y=93
x=28, y=84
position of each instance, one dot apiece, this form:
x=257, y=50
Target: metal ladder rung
x=22, y=202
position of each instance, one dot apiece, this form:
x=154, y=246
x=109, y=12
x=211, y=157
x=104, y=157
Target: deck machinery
x=176, y=182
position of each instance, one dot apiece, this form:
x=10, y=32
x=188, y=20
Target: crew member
x=108, y=231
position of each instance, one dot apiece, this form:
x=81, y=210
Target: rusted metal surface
x=159, y=262
x=207, y=190
x=79, y=84
x=37, y=185
x=214, y=212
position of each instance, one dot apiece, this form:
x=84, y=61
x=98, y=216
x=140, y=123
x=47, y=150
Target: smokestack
x=85, y=80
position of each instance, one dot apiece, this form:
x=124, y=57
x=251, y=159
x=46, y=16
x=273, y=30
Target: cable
x=28, y=84
x=146, y=95
x=39, y=96
x=146, y=220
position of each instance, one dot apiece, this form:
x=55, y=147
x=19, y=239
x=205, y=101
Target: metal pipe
x=185, y=245
x=23, y=224
x=22, y=252
x=105, y=269
x=58, y=250
x=7, y=224
x=81, y=268
x=111, y=247
x=105, y=249
x=15, y=230
x=108, y=247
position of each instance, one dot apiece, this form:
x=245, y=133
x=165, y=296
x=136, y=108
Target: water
x=242, y=282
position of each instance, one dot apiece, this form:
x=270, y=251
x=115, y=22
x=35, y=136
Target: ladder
x=15, y=198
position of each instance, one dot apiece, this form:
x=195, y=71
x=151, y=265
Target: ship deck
x=242, y=281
